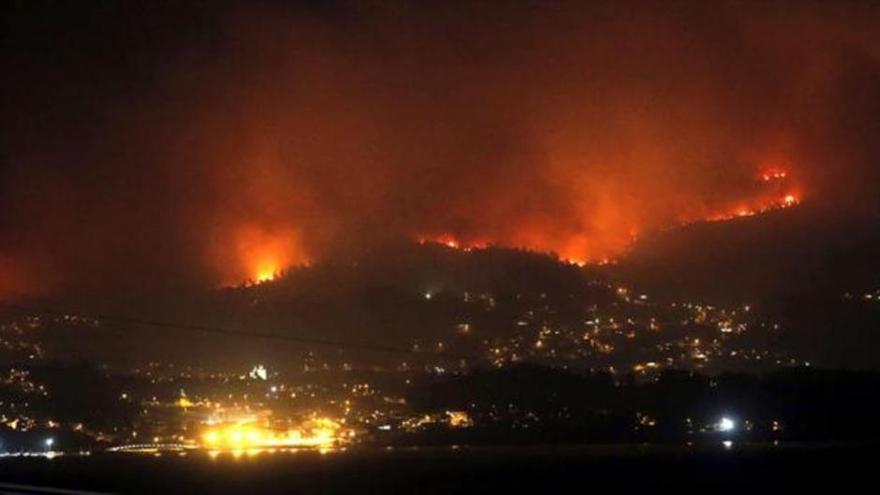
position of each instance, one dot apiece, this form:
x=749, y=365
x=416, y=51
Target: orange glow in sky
x=261, y=253
x=585, y=249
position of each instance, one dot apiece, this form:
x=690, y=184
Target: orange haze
x=266, y=136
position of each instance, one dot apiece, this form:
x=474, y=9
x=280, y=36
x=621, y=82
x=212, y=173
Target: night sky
x=198, y=144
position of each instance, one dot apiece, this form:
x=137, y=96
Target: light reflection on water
x=258, y=454
x=237, y=454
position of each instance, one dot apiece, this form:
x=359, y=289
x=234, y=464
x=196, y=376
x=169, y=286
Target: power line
x=343, y=344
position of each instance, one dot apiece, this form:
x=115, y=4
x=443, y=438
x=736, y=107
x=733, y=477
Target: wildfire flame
x=773, y=174
x=260, y=255
x=574, y=251
x=452, y=242
x=786, y=201
x=266, y=270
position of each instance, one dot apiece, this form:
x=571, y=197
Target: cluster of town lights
x=320, y=433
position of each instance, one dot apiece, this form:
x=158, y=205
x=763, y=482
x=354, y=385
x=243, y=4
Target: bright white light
x=50, y=442
x=726, y=424
x=259, y=373
x=428, y=296
x=727, y=444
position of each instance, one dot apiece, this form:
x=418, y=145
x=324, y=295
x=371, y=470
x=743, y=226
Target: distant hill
x=801, y=252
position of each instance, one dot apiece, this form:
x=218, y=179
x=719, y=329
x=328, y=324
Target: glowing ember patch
x=453, y=243
x=773, y=174
x=774, y=199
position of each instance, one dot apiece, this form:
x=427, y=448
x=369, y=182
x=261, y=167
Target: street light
x=49, y=442
x=726, y=424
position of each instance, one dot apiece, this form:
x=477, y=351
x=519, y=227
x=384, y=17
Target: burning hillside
x=571, y=129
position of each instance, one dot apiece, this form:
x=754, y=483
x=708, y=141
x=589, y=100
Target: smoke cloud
x=206, y=144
